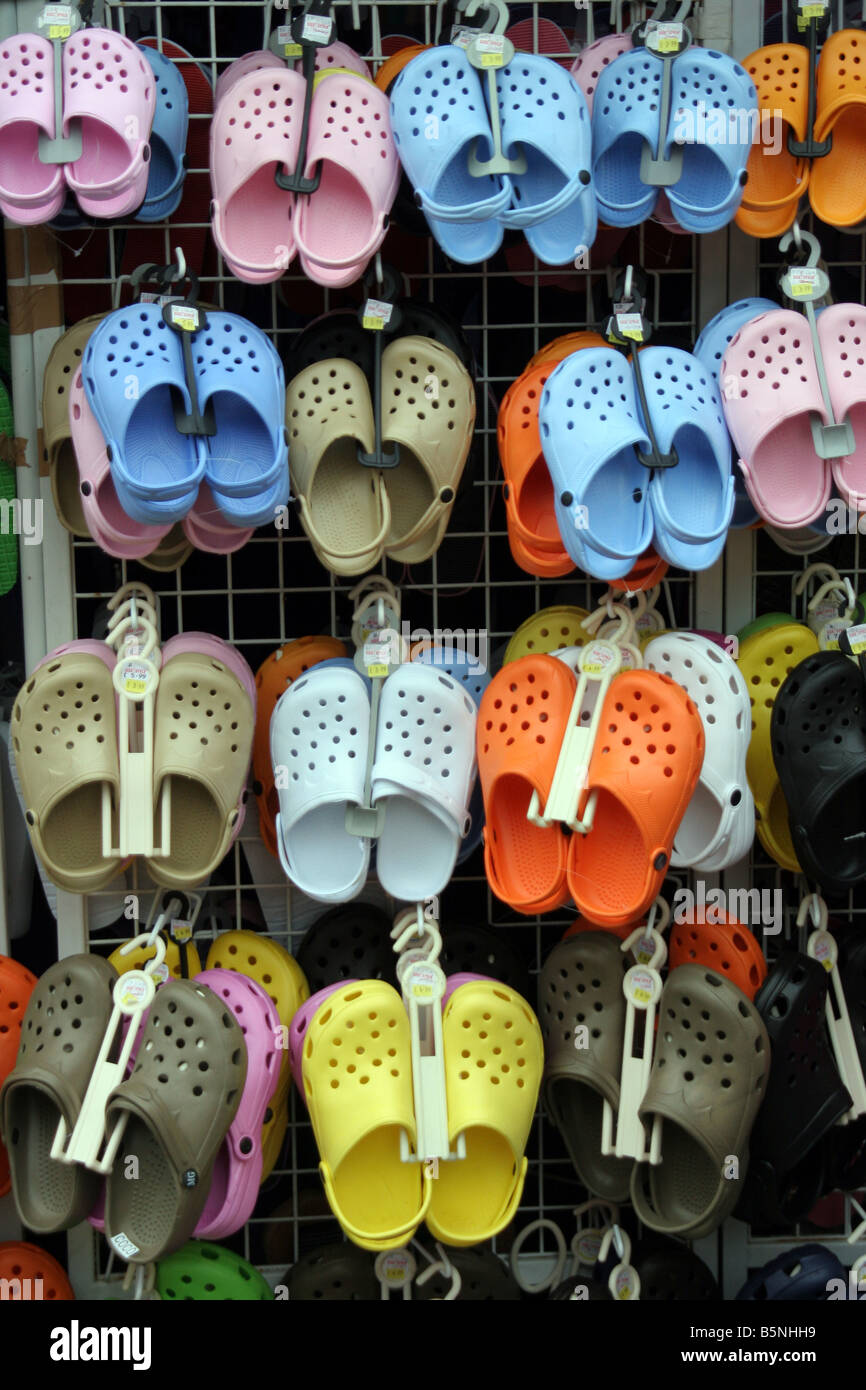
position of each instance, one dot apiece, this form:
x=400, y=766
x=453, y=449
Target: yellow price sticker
x=667, y=46
x=395, y=1276
x=813, y=12
x=422, y=991
x=491, y=60
x=642, y=996
x=373, y=321
x=134, y=687
x=292, y=50
x=59, y=31
x=375, y=672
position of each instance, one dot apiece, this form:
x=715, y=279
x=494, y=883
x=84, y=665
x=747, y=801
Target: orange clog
x=521, y=724
x=712, y=939
x=643, y=771
x=777, y=178
x=838, y=186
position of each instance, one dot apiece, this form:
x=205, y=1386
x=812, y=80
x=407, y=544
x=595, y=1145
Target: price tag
x=824, y=612
x=492, y=50
x=147, y=298
x=136, y=677
x=587, y=1246
x=828, y=637
x=803, y=280
x=377, y=314
x=185, y=317
x=857, y=639
x=395, y=1270
x=376, y=657
x=630, y=326
x=642, y=986
x=181, y=931
x=624, y=1283
x=598, y=658
x=809, y=10
x=287, y=43
x=665, y=38
x=60, y=20
x=317, y=28
x=422, y=982
x=644, y=950
x=462, y=37
x=134, y=992
x=822, y=948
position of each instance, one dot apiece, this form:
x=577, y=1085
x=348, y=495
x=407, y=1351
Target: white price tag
x=185, y=316
x=624, y=1283
x=492, y=50
x=630, y=326
x=822, y=947
x=424, y=981
x=804, y=280
x=377, y=314
x=587, y=1247
x=598, y=658
x=857, y=639
x=136, y=677
x=317, y=28
x=665, y=38
x=642, y=986
x=462, y=37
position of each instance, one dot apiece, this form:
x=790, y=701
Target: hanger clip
x=133, y=993
x=378, y=314
x=312, y=29
x=806, y=282
x=822, y=947
x=60, y=22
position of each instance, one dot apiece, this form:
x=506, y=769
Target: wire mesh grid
x=274, y=589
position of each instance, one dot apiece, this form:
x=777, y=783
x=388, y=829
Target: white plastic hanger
x=442, y=1265
x=133, y=993
x=623, y=1280
x=598, y=663
x=642, y=987
x=395, y=1270
x=583, y=1252
x=378, y=652
x=133, y=634
x=423, y=983
x=821, y=946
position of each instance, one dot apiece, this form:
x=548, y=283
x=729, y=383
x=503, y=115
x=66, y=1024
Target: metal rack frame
x=275, y=578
